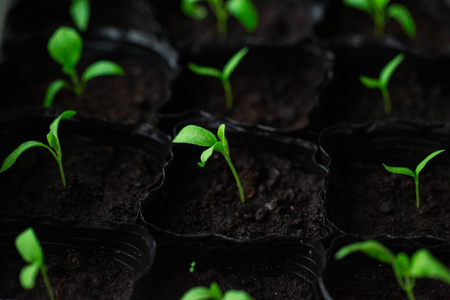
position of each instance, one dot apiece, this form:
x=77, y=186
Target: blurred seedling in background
x=29, y=248
x=215, y=293
x=381, y=12
x=192, y=267
x=199, y=136
x=53, y=141
x=80, y=12
x=382, y=82
x=422, y=264
x=243, y=10
x=223, y=75
x=415, y=175
x=65, y=47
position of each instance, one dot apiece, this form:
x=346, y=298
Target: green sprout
x=223, y=75
x=30, y=249
x=381, y=12
x=192, y=268
x=214, y=293
x=382, y=82
x=65, y=47
x=243, y=10
x=53, y=141
x=415, y=175
x=407, y=270
x=80, y=12
x=199, y=136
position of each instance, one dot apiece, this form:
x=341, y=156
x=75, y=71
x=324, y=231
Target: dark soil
x=103, y=181
x=268, y=282
x=133, y=97
x=433, y=33
x=73, y=274
x=367, y=200
x=280, y=22
x=415, y=95
x=356, y=279
x=281, y=197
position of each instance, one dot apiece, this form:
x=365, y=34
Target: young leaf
x=80, y=12
x=208, y=152
x=28, y=275
x=245, y=12
x=11, y=158
x=214, y=291
x=400, y=170
x=422, y=164
x=65, y=47
x=28, y=246
x=55, y=124
x=195, y=135
x=402, y=15
x=381, y=4
x=53, y=89
x=197, y=293
x=193, y=10
x=371, y=83
x=101, y=68
x=386, y=72
x=363, y=5
x=371, y=248
x=423, y=264
x=236, y=295
x=205, y=71
x=233, y=62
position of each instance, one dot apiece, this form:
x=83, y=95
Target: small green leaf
x=371, y=83
x=51, y=139
x=401, y=267
x=363, y=5
x=402, y=15
x=422, y=164
x=221, y=133
x=65, y=46
x=215, y=292
x=101, y=68
x=55, y=124
x=195, y=135
x=233, y=62
x=400, y=170
x=28, y=275
x=381, y=4
x=11, y=159
x=53, y=89
x=371, y=248
x=193, y=10
x=423, y=264
x=236, y=295
x=388, y=70
x=196, y=293
x=205, y=71
x=245, y=12
x=80, y=12
x=208, y=152
x=29, y=248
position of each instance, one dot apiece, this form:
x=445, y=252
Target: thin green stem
x=58, y=157
x=379, y=18
x=47, y=282
x=410, y=294
x=416, y=182
x=228, y=94
x=218, y=9
x=77, y=87
x=236, y=177
x=387, y=101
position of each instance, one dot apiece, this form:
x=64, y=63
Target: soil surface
x=73, y=274
x=133, y=97
x=356, y=279
x=367, y=200
x=103, y=181
x=281, y=197
x=281, y=22
x=433, y=33
x=268, y=282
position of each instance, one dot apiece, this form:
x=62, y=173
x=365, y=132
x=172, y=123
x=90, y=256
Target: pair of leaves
x=80, y=12
x=385, y=75
x=243, y=10
x=214, y=292
x=29, y=248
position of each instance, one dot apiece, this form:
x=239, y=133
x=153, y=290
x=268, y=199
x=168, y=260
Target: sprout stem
x=416, y=181
x=61, y=170
x=47, y=282
x=236, y=177
x=387, y=101
x=228, y=94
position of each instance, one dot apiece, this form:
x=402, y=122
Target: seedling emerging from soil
x=214, y=292
x=415, y=175
x=192, y=267
x=421, y=264
x=380, y=11
x=199, y=136
x=80, y=12
x=243, y=10
x=28, y=246
x=223, y=75
x=65, y=47
x=382, y=82
x=53, y=141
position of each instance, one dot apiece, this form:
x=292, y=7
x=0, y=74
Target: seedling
x=214, y=292
x=199, y=136
x=28, y=246
x=243, y=10
x=415, y=175
x=380, y=11
x=421, y=264
x=192, y=267
x=53, y=141
x=223, y=75
x=80, y=12
x=382, y=82
x=65, y=47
